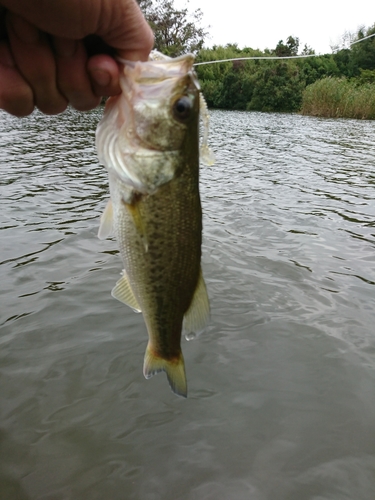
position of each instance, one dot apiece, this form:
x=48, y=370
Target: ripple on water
x=281, y=400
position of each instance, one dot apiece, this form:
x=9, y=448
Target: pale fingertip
x=17, y=102
x=17, y=108
x=87, y=105
x=53, y=107
x=104, y=75
x=100, y=78
x=16, y=96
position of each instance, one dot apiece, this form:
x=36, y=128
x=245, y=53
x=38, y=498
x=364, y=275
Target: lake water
x=281, y=399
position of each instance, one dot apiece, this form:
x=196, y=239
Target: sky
x=261, y=24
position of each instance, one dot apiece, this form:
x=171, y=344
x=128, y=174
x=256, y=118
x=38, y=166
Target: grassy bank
x=339, y=98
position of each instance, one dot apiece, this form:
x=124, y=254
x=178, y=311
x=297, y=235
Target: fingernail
x=101, y=78
x=25, y=31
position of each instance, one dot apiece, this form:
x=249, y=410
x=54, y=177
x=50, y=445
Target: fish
x=148, y=141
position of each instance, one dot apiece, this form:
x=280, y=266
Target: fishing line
x=364, y=38
x=269, y=58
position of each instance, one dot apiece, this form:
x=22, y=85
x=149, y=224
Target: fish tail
x=175, y=370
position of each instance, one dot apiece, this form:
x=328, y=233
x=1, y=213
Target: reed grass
x=339, y=98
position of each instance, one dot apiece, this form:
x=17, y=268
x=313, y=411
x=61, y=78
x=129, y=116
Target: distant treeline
x=340, y=84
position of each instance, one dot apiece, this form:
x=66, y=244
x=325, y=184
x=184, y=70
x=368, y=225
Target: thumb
x=127, y=31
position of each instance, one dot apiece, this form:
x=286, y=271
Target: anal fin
x=123, y=292
x=198, y=314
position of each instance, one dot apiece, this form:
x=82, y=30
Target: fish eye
x=182, y=108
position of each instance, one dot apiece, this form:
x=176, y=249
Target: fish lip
x=167, y=68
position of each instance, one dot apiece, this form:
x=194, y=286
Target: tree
x=176, y=30
x=277, y=86
x=355, y=52
x=363, y=52
x=343, y=61
x=314, y=68
x=288, y=49
x=307, y=50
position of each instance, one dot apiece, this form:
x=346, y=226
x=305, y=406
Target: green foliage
x=238, y=87
x=276, y=87
x=314, y=68
x=307, y=50
x=343, y=61
x=366, y=76
x=360, y=55
x=338, y=84
x=288, y=49
x=176, y=30
x=226, y=85
x=253, y=85
x=339, y=98
x=363, y=53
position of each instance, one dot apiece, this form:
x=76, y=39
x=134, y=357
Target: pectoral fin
x=106, y=222
x=197, y=316
x=123, y=292
x=175, y=370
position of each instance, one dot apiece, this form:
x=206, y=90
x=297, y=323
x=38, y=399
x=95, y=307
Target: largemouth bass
x=148, y=140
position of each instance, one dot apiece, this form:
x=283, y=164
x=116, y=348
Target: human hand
x=51, y=53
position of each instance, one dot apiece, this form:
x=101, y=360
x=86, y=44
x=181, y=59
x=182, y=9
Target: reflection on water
x=281, y=385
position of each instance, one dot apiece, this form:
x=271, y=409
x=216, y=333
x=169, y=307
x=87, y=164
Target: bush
x=339, y=98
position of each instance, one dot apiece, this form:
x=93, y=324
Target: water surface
x=281, y=384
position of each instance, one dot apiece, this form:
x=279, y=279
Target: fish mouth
x=159, y=74
x=157, y=62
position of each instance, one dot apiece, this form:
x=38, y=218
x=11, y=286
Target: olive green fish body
x=163, y=271
x=156, y=215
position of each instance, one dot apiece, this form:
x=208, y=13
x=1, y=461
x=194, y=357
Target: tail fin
x=175, y=370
